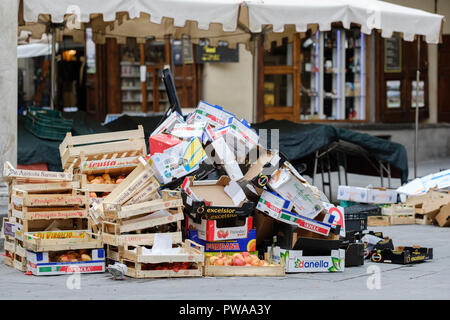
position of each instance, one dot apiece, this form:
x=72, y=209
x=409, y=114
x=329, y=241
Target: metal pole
x=53, y=70
x=417, y=106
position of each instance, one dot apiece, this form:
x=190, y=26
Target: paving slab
x=428, y=280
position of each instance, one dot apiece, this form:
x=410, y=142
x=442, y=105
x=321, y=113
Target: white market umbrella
x=233, y=21
x=33, y=50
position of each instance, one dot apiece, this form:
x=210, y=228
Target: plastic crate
x=355, y=222
x=47, y=124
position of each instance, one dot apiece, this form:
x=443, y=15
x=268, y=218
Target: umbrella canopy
x=234, y=21
x=34, y=50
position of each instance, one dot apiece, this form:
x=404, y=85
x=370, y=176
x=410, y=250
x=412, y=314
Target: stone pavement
x=428, y=280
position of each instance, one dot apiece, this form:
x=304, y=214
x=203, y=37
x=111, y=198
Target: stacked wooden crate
x=399, y=214
x=432, y=207
x=101, y=161
x=47, y=216
x=135, y=216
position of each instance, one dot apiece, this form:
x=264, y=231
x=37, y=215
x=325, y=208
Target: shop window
x=395, y=80
x=333, y=75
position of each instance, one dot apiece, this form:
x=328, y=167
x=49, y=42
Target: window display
x=333, y=76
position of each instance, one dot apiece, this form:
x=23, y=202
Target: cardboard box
x=158, y=143
x=213, y=115
x=382, y=196
x=443, y=217
x=169, y=123
x=215, y=200
x=402, y=255
x=226, y=156
x=210, y=230
x=40, y=265
x=274, y=206
x=236, y=245
x=265, y=226
x=295, y=261
x=177, y=161
x=189, y=131
x=289, y=185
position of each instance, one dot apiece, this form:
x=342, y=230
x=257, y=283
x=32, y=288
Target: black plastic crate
x=355, y=222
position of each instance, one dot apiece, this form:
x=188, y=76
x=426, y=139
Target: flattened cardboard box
x=274, y=205
x=296, y=262
x=289, y=185
x=217, y=203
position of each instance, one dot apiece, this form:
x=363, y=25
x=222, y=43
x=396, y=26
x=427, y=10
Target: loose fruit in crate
x=237, y=259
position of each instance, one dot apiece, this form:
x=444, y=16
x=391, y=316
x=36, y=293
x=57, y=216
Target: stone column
x=8, y=81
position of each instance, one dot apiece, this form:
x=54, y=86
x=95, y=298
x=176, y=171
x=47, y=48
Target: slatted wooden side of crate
x=422, y=219
x=137, y=262
x=112, y=166
x=244, y=271
x=102, y=146
x=399, y=214
x=62, y=240
x=133, y=184
x=378, y=221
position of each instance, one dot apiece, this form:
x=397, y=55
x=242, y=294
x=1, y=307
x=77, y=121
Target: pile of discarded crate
x=235, y=190
x=432, y=207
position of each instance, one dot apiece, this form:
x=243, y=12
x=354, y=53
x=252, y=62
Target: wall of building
x=443, y=8
x=230, y=85
x=8, y=81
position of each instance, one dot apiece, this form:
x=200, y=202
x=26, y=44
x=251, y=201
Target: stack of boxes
x=48, y=229
x=143, y=230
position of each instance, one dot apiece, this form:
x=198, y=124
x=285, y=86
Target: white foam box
x=355, y=194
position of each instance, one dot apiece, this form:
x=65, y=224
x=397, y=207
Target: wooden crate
x=132, y=185
x=190, y=252
x=422, y=219
x=9, y=245
x=24, y=199
x=144, y=222
x=61, y=240
x=20, y=262
x=110, y=164
x=121, y=144
x=10, y=173
x=244, y=271
x=136, y=270
x=130, y=211
x=39, y=213
x=135, y=239
x=399, y=214
x=429, y=203
x=25, y=226
x=91, y=187
x=8, y=259
x=148, y=193
x=378, y=221
x=48, y=187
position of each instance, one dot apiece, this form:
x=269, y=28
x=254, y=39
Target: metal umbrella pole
x=53, y=70
x=417, y=106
